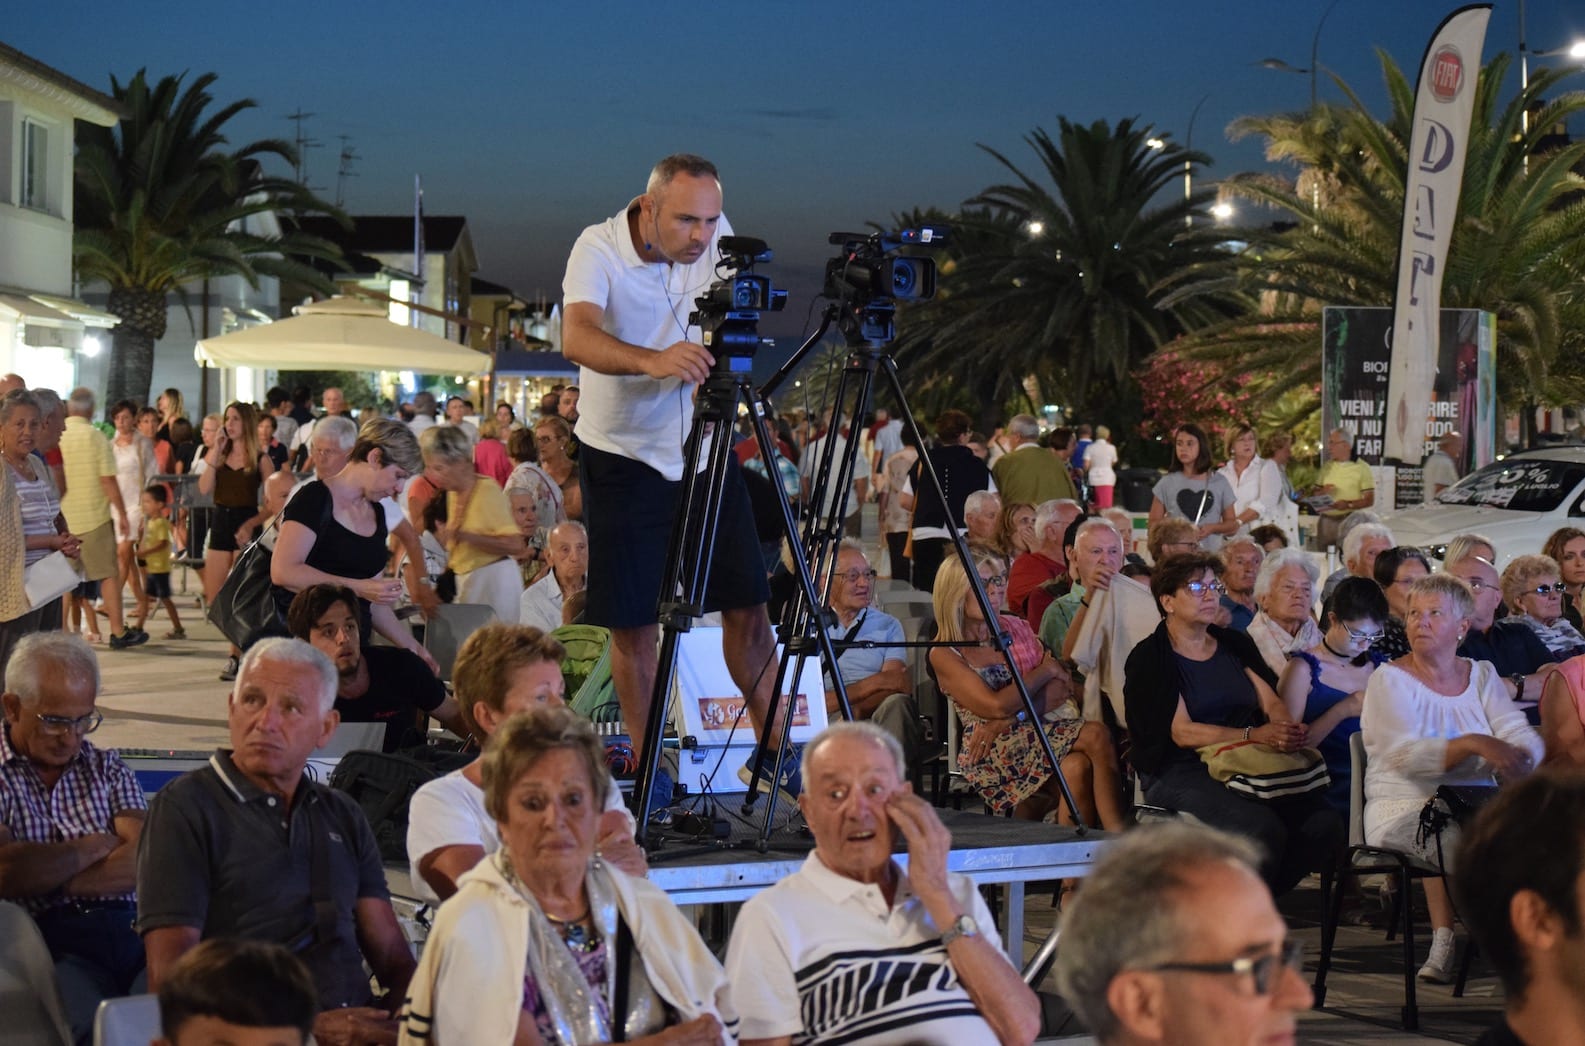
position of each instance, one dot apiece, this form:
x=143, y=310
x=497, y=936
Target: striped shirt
x=95, y=787
x=88, y=458
x=40, y=505
x=823, y=958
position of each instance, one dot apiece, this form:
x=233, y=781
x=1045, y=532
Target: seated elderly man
x=250, y=846
x=1205, y=959
x=1285, y=591
x=874, y=673
x=378, y=684
x=1514, y=650
x=1363, y=541
x=1525, y=906
x=982, y=512
x=567, y=553
x=852, y=948
x=1029, y=572
x=1241, y=559
x=70, y=817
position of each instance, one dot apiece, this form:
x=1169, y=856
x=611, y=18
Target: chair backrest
x=29, y=997
x=133, y=1020
x=1356, y=788
x=452, y=624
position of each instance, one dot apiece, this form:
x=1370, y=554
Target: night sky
x=536, y=119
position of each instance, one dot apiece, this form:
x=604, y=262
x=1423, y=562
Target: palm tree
x=1518, y=245
x=161, y=202
x=1073, y=282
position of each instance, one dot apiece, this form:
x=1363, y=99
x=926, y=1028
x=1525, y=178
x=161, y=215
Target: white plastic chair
x=133, y=1020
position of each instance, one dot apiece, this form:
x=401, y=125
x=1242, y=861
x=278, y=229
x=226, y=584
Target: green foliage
x=357, y=386
x=162, y=201
x=1518, y=245
x=1115, y=270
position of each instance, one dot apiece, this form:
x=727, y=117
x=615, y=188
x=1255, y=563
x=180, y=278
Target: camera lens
x=903, y=278
x=745, y=295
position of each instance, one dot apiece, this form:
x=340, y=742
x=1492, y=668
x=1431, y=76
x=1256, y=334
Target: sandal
x=93, y=637
x=176, y=633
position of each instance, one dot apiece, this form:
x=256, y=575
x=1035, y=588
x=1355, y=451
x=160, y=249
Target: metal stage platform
x=989, y=850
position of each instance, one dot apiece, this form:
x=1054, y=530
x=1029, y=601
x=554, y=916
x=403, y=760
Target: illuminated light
x=460, y=379
x=1156, y=143
x=92, y=346
x=1222, y=211
x=407, y=380
x=1036, y=228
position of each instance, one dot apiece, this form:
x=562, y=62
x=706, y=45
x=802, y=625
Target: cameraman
x=629, y=289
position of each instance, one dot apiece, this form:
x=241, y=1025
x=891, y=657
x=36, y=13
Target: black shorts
x=157, y=586
x=223, y=523
x=628, y=509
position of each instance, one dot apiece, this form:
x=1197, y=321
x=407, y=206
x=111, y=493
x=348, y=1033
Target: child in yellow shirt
x=154, y=552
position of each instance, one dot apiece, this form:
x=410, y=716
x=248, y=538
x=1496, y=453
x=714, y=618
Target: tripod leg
x=999, y=637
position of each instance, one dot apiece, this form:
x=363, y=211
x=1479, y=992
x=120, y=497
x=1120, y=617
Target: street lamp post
x=1188, y=164
x=1315, y=57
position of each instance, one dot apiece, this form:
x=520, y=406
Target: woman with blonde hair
x=1100, y=464
x=1015, y=530
x=552, y=438
x=1000, y=754
x=1533, y=588
x=480, y=535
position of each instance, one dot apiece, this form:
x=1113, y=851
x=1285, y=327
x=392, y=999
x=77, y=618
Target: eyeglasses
x=1477, y=584
x=999, y=580
x=852, y=576
x=55, y=725
x=1200, y=588
x=1555, y=589
x=1364, y=637
x=1262, y=969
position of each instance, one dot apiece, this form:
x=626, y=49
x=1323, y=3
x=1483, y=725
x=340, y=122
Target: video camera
x=869, y=277
x=728, y=311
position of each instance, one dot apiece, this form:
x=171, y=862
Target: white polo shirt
x=645, y=304
x=823, y=958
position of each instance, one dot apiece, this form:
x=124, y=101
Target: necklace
x=578, y=937
x=1335, y=653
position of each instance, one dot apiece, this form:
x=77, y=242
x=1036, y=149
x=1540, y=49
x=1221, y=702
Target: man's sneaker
x=1438, y=968
x=791, y=778
x=135, y=636
x=229, y=673
x=120, y=642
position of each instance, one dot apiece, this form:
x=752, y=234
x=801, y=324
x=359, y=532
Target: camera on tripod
x=869, y=277
x=728, y=311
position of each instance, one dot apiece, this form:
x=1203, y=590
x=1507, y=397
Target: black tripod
x=867, y=329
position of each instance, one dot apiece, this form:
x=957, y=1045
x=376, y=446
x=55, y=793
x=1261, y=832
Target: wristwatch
x=964, y=926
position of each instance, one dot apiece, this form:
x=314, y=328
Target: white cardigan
x=468, y=987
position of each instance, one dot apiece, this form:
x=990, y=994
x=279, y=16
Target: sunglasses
x=1262, y=969
x=1555, y=589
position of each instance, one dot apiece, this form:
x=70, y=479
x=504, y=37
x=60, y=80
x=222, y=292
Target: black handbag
x=1451, y=804
x=244, y=609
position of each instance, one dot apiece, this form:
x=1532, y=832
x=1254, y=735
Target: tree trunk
x=142, y=323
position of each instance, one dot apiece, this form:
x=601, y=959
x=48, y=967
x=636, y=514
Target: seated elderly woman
x=999, y=754
x=1193, y=684
x=500, y=671
x=546, y=942
x=1396, y=569
x=1433, y=718
x=1324, y=686
x=1533, y=588
x=1284, y=592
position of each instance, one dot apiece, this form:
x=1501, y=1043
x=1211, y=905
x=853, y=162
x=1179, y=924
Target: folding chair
x=133, y=1020
x=1363, y=859
x=452, y=624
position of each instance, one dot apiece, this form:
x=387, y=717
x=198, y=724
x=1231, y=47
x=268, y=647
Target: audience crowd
x=1178, y=667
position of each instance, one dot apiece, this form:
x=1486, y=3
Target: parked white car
x=1516, y=502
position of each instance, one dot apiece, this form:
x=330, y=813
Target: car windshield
x=1518, y=485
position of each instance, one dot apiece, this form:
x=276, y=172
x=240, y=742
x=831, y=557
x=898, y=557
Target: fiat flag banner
x=1438, y=145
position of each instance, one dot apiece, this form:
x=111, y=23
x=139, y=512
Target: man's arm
x=999, y=993
x=118, y=871
x=449, y=714
x=585, y=342
x=35, y=869
x=866, y=694
x=385, y=949
x=163, y=946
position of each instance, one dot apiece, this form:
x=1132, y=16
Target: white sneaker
x=1438, y=968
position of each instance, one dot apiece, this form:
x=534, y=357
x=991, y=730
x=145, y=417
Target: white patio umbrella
x=340, y=334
